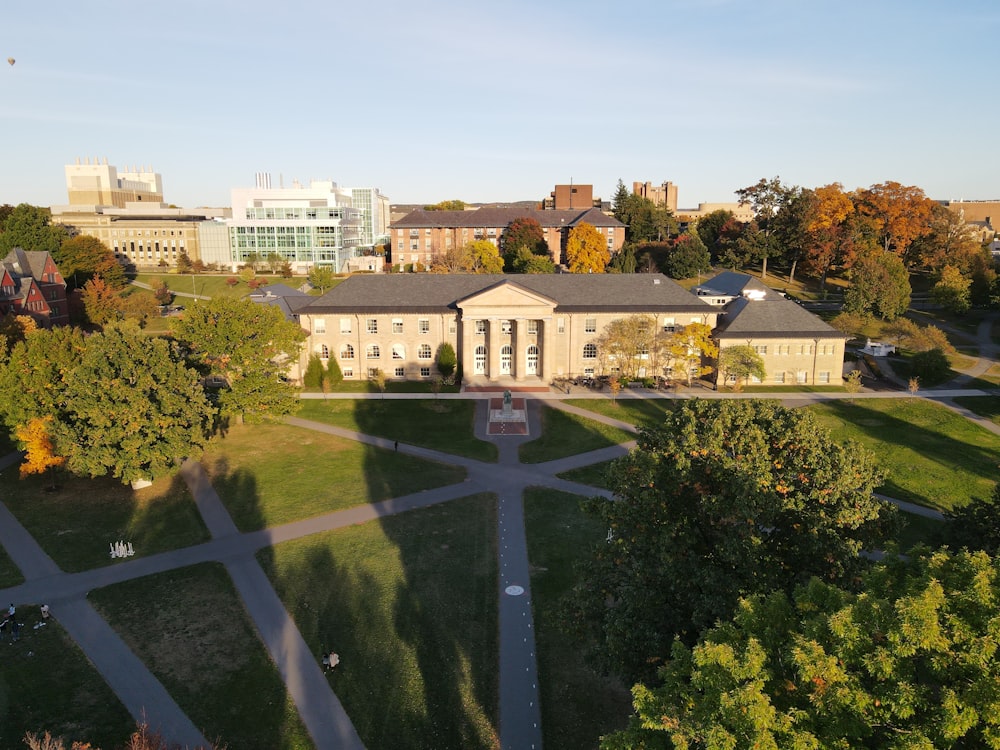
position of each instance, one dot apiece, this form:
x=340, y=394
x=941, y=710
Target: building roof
x=437, y=293
x=772, y=317
x=287, y=299
x=497, y=216
x=26, y=262
x=732, y=284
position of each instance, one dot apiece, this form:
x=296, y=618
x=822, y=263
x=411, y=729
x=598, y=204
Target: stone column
x=465, y=357
x=493, y=350
x=547, y=349
x=519, y=346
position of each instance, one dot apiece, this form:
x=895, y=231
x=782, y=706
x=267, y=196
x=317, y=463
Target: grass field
x=47, y=684
x=410, y=604
x=645, y=412
x=10, y=574
x=272, y=474
x=593, y=475
x=984, y=406
x=578, y=704
x=206, y=285
x=931, y=455
x=75, y=523
x=440, y=425
x=565, y=434
x=189, y=627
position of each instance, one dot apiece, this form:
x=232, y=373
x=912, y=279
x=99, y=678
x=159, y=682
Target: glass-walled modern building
x=307, y=226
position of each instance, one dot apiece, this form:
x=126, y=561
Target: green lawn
x=190, y=629
x=47, y=684
x=931, y=455
x=647, y=412
x=207, y=285
x=392, y=386
x=578, y=704
x=565, y=434
x=984, y=406
x=440, y=425
x=273, y=473
x=593, y=475
x=76, y=523
x=410, y=604
x=10, y=574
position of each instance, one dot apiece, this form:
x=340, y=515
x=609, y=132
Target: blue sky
x=436, y=99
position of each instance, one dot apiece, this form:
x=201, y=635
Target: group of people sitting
x=10, y=621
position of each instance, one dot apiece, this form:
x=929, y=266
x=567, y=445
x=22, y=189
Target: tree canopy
x=29, y=228
x=880, y=286
x=726, y=499
x=586, y=250
x=909, y=662
x=133, y=409
x=687, y=258
x=83, y=258
x=247, y=345
x=524, y=232
x=740, y=362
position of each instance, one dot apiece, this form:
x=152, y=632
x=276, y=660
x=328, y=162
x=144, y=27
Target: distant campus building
x=532, y=329
x=321, y=224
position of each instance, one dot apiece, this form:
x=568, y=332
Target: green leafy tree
x=83, y=258
x=525, y=261
x=740, y=362
x=766, y=198
x=691, y=347
x=248, y=346
x=952, y=290
x=162, y=292
x=322, y=278
x=880, y=286
x=725, y=499
x=29, y=228
x=624, y=260
x=13, y=329
x=447, y=361
x=312, y=379
x=586, y=250
x=34, y=378
x=950, y=241
x=852, y=324
x=334, y=376
x=631, y=344
x=133, y=408
x=139, y=306
x=904, y=663
x=450, y=205
x=687, y=258
x=931, y=366
x=975, y=525
x=102, y=303
x=709, y=229
x=644, y=220
x=184, y=264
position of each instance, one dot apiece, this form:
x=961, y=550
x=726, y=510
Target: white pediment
x=506, y=298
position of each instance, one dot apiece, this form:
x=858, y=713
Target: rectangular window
x=824, y=376
x=371, y=325
x=399, y=372
x=505, y=327
x=345, y=325
x=783, y=348
x=348, y=372
x=761, y=349
x=533, y=327
x=800, y=377
x=779, y=377
x=754, y=379
x=560, y=325
x=424, y=325
x=319, y=325
x=452, y=326
x=373, y=372
x=590, y=325
x=669, y=325
x=806, y=349
x=480, y=327
x=425, y=372
x=397, y=325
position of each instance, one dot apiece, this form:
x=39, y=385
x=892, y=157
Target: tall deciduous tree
x=692, y=346
x=952, y=290
x=34, y=378
x=321, y=277
x=83, y=258
x=828, y=229
x=950, y=241
x=29, y=228
x=482, y=256
x=902, y=214
x=586, y=250
x=133, y=409
x=880, y=286
x=687, y=258
x=709, y=228
x=765, y=198
x=250, y=347
x=906, y=663
x=725, y=499
x=631, y=347
x=40, y=454
x=524, y=232
x=101, y=302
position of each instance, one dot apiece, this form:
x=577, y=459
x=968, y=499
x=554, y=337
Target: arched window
x=424, y=352
x=347, y=352
x=373, y=352
x=398, y=352
x=324, y=352
x=590, y=351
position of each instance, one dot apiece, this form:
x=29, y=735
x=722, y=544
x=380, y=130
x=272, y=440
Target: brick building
x=30, y=284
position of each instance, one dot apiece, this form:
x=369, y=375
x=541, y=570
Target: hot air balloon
x=11, y=60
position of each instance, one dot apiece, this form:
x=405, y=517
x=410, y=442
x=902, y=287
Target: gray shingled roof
x=732, y=284
x=428, y=292
x=774, y=317
x=26, y=262
x=497, y=216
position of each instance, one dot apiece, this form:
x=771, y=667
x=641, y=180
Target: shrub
x=931, y=366
x=232, y=281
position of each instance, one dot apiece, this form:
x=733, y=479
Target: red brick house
x=30, y=284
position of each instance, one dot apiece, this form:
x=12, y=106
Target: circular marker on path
x=514, y=590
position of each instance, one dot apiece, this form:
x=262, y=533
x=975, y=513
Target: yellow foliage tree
x=587, y=250
x=40, y=453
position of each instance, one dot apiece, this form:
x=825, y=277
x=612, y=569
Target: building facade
x=422, y=236
x=661, y=195
x=571, y=198
x=530, y=330
x=30, y=284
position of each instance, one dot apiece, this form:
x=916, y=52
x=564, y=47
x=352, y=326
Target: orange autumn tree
x=40, y=453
